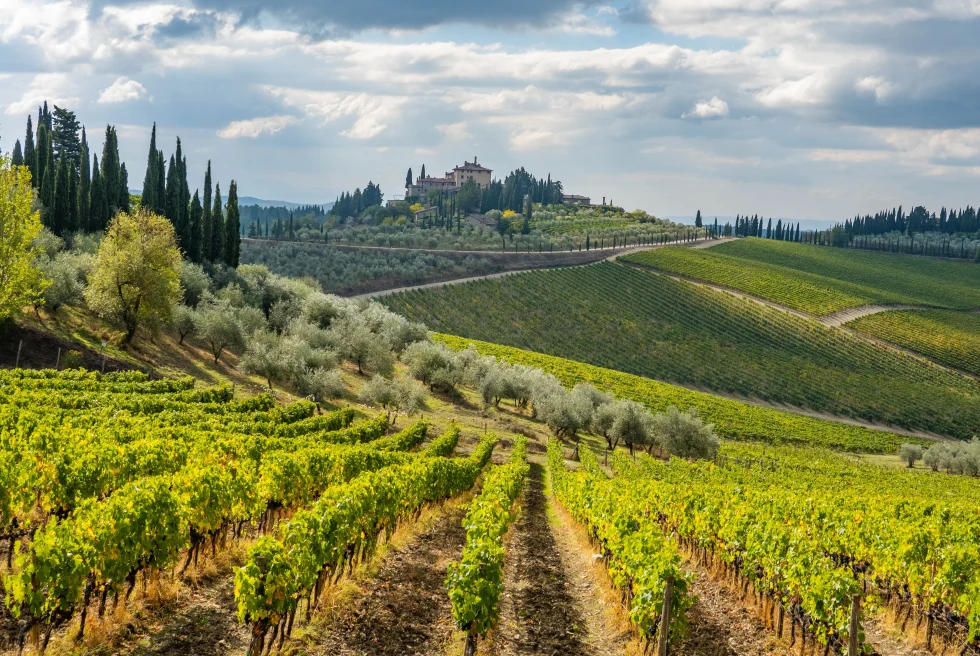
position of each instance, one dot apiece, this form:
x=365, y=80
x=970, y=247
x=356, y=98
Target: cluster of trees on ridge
x=79, y=196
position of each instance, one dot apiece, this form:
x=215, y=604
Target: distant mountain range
x=805, y=224
x=261, y=202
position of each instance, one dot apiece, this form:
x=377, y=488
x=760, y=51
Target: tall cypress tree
x=17, y=159
x=64, y=135
x=47, y=192
x=30, y=157
x=233, y=227
x=123, y=204
x=61, y=210
x=196, y=213
x=207, y=226
x=42, y=150
x=98, y=212
x=84, y=187
x=148, y=199
x=218, y=227
x=172, y=210
x=73, y=223
x=110, y=172
x=185, y=206
x=160, y=197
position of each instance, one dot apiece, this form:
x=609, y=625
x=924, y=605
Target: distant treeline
x=949, y=222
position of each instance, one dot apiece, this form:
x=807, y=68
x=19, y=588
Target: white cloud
x=714, y=108
x=580, y=24
x=373, y=113
x=454, y=131
x=122, y=90
x=55, y=88
x=252, y=128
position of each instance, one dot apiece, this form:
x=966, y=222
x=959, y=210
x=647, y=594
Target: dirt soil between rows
x=404, y=610
x=550, y=604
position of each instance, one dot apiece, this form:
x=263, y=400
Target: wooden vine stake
x=665, y=617
x=855, y=626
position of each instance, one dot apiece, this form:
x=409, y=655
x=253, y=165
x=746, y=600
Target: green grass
x=734, y=420
x=622, y=318
x=948, y=337
x=821, y=280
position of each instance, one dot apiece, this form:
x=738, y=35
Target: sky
x=813, y=109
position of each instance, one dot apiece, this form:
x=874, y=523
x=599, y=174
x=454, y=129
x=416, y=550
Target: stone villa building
x=452, y=180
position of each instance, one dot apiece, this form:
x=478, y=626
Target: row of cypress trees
x=78, y=197
x=205, y=231
x=75, y=196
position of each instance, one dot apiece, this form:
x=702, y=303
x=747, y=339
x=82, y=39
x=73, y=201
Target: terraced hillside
x=819, y=280
x=621, y=318
x=946, y=336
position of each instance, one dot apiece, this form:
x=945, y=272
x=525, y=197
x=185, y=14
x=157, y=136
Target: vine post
x=855, y=626
x=664, y=632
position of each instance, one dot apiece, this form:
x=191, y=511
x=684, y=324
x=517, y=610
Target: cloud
x=714, y=108
x=55, y=88
x=122, y=90
x=328, y=18
x=252, y=128
x=373, y=113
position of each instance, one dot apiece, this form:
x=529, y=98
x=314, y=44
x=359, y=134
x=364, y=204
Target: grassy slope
x=821, y=280
x=946, y=336
x=622, y=318
x=733, y=420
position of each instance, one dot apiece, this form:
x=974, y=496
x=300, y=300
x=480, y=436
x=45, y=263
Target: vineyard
x=617, y=317
x=108, y=480
x=809, y=533
x=949, y=337
x=820, y=280
x=733, y=420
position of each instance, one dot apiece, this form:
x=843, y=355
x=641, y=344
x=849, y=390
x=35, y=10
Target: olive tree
x=910, y=453
x=21, y=282
x=136, y=274
x=683, y=434
x=397, y=395
x=218, y=326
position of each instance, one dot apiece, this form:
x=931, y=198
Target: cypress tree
x=171, y=208
x=196, y=212
x=61, y=212
x=17, y=159
x=41, y=152
x=123, y=205
x=185, y=208
x=697, y=220
x=30, y=157
x=160, y=196
x=73, y=223
x=408, y=177
x=218, y=227
x=423, y=172
x=207, y=227
x=98, y=205
x=47, y=192
x=233, y=230
x=110, y=173
x=84, y=187
x=148, y=199
x=63, y=128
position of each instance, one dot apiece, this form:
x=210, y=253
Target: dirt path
x=838, y=319
x=405, y=608
x=201, y=623
x=550, y=604
x=720, y=625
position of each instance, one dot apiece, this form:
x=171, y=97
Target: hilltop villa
x=453, y=180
